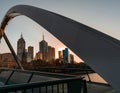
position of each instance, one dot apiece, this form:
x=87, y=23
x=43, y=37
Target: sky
x=102, y=15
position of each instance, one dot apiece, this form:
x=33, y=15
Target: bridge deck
x=20, y=77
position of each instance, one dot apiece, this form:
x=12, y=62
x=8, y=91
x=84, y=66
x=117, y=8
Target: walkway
x=18, y=78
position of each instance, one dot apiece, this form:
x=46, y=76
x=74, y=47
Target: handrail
x=9, y=77
x=48, y=74
x=25, y=86
x=30, y=77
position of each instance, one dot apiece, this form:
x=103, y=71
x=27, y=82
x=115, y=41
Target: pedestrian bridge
x=24, y=81
x=19, y=81
x=100, y=51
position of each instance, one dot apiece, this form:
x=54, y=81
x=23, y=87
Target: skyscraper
x=43, y=48
x=60, y=56
x=20, y=47
x=71, y=59
x=31, y=51
x=50, y=54
x=66, y=56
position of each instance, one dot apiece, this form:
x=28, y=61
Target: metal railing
x=70, y=85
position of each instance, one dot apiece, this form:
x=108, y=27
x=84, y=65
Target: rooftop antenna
x=21, y=35
x=43, y=35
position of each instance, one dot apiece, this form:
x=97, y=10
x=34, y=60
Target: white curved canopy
x=100, y=51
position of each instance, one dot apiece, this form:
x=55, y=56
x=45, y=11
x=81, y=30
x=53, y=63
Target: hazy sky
x=102, y=15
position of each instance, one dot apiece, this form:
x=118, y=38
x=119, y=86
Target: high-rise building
x=43, y=48
x=20, y=47
x=31, y=51
x=66, y=56
x=24, y=56
x=71, y=59
x=50, y=54
x=38, y=56
x=60, y=56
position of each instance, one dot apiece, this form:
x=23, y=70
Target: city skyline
x=59, y=47
x=45, y=52
x=98, y=50
x=100, y=15
x=44, y=48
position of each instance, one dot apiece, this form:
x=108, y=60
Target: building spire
x=21, y=35
x=43, y=36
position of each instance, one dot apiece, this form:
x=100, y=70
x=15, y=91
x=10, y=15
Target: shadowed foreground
x=44, y=77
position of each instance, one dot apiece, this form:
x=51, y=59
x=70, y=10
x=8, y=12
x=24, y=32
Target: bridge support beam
x=2, y=33
x=98, y=50
x=13, y=52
